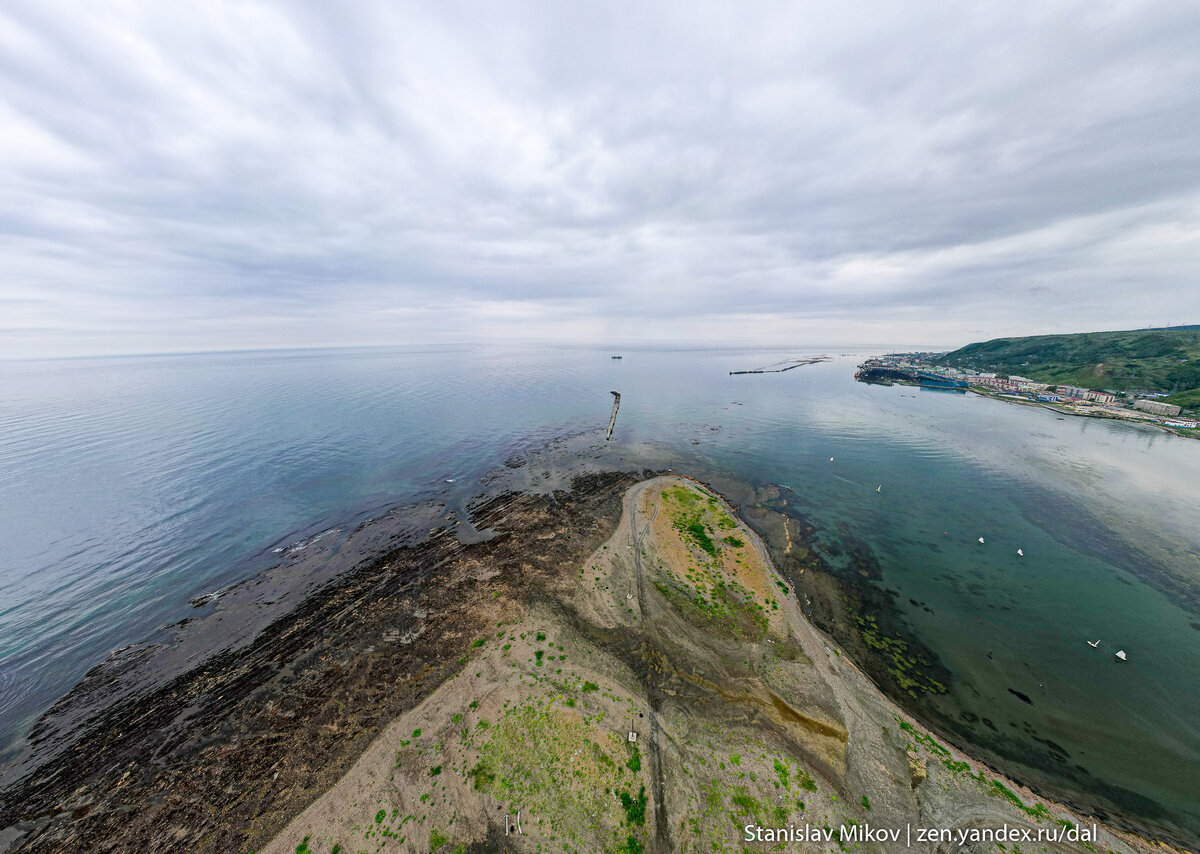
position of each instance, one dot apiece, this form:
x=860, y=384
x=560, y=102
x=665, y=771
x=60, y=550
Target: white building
x=1155, y=407
x=993, y=382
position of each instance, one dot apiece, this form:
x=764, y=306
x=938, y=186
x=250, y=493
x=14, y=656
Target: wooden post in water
x=613, y=420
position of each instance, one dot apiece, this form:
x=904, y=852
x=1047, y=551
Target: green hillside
x=1187, y=399
x=1142, y=359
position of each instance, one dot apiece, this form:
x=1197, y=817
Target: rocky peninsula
x=615, y=665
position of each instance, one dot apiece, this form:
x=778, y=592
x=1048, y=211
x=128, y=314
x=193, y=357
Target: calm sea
x=130, y=485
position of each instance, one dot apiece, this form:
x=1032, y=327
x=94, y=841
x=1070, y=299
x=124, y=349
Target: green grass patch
x=744, y=806
x=1001, y=790
x=482, y=777
x=635, y=759
x=635, y=808
x=922, y=738
x=700, y=537
x=726, y=609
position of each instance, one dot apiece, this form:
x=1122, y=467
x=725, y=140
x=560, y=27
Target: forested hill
x=1142, y=359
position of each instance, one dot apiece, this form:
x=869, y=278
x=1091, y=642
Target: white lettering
x=866, y=833
x=805, y=833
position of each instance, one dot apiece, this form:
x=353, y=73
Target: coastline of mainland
x=1097, y=412
x=1164, y=360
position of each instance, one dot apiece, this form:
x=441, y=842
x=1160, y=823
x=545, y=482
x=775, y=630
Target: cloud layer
x=237, y=174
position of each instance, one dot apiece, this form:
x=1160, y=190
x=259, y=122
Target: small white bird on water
x=879, y=488
x=831, y=459
x=1020, y=553
x=981, y=539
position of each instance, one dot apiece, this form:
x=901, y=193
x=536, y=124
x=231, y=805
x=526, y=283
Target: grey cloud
x=257, y=174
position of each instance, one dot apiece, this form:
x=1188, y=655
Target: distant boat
x=1020, y=553
x=981, y=539
x=449, y=480
x=1093, y=644
x=1121, y=654
x=928, y=379
x=617, y=357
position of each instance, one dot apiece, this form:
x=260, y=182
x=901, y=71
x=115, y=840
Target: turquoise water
x=129, y=486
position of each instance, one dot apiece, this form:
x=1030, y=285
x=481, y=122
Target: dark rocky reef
x=220, y=757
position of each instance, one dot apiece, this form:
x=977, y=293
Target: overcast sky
x=188, y=176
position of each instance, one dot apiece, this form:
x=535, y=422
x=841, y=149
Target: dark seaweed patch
x=1024, y=698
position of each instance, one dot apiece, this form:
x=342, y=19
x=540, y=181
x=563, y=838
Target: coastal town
x=1136, y=406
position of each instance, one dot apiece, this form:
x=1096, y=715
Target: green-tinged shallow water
x=128, y=486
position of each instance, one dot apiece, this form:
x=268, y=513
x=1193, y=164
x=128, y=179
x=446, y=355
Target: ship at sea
x=884, y=372
x=929, y=379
